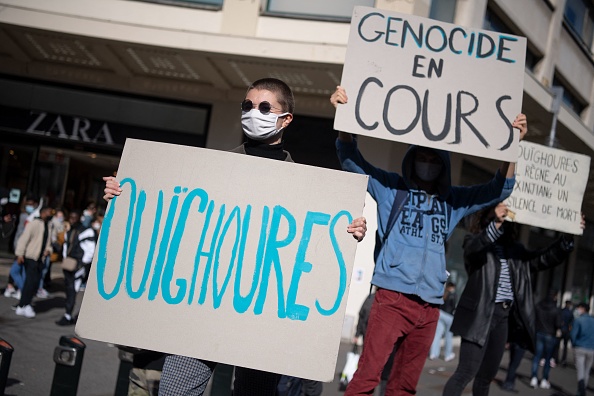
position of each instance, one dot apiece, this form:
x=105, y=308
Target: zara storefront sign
x=72, y=128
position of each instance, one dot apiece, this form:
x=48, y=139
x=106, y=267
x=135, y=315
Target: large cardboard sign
x=225, y=257
x=550, y=186
x=421, y=81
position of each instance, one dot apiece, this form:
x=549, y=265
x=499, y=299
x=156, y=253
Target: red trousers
x=395, y=318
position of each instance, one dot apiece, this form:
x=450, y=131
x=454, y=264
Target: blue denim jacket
x=582, y=332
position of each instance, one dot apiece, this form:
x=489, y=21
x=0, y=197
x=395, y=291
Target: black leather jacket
x=475, y=308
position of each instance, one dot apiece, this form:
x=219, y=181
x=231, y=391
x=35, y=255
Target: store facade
x=58, y=142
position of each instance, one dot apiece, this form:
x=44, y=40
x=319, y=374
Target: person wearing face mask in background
x=27, y=213
x=88, y=215
x=410, y=269
x=17, y=273
x=33, y=246
x=266, y=112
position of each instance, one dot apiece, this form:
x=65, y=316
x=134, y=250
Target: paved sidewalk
x=34, y=340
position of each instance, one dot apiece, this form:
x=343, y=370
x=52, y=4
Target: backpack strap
x=401, y=197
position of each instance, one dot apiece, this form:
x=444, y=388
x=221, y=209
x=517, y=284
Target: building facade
x=79, y=76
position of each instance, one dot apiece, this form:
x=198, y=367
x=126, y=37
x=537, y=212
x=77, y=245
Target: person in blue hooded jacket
x=410, y=270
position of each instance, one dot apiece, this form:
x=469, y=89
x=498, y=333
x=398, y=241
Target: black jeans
x=480, y=362
x=33, y=270
x=565, y=338
x=516, y=354
x=69, y=278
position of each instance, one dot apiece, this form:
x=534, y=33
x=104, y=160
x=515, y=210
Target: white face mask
x=96, y=226
x=260, y=126
x=29, y=208
x=427, y=171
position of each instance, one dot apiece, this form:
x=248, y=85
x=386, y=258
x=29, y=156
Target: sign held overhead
x=416, y=80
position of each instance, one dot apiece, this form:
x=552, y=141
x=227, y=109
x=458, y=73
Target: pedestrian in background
x=444, y=323
x=88, y=215
x=566, y=322
x=582, y=340
x=548, y=322
x=14, y=286
x=33, y=246
x=79, y=244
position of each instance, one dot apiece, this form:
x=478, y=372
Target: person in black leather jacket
x=498, y=287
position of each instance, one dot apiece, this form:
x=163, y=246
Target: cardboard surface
x=550, y=186
x=416, y=80
x=225, y=257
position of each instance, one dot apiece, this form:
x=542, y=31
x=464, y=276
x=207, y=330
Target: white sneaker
x=42, y=293
x=534, y=382
x=8, y=292
x=26, y=311
x=544, y=384
x=450, y=357
x=17, y=294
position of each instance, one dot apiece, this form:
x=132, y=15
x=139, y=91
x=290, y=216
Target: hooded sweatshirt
x=412, y=260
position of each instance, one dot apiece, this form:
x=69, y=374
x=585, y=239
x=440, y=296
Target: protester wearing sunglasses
x=266, y=112
x=263, y=117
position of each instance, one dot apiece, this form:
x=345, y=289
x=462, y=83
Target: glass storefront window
x=339, y=10
x=16, y=166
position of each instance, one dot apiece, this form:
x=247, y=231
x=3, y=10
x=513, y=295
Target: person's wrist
x=567, y=242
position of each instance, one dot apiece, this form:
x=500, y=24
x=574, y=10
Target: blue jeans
x=545, y=346
x=17, y=272
x=443, y=327
x=46, y=265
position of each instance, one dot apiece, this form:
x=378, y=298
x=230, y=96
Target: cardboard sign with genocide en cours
x=421, y=81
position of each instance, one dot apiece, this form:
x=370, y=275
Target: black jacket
x=548, y=317
x=475, y=308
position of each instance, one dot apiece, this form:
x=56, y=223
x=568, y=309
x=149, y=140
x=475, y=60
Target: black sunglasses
x=264, y=106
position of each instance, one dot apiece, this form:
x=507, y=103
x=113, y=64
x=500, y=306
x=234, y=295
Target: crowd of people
x=44, y=235
x=412, y=306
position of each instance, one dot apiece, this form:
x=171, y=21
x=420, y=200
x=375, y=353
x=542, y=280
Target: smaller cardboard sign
x=417, y=80
x=550, y=186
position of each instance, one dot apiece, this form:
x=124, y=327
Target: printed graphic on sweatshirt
x=424, y=216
